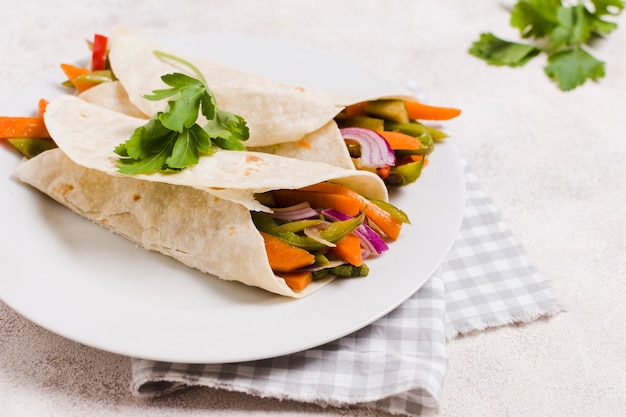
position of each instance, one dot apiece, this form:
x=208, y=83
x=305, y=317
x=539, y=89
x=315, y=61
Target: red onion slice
x=300, y=211
x=375, y=151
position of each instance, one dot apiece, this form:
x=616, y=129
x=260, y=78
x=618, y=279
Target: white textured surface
x=553, y=163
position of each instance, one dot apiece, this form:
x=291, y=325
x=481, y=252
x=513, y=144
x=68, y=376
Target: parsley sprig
x=172, y=139
x=563, y=32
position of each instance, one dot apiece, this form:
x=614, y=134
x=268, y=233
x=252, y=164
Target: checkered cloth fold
x=398, y=363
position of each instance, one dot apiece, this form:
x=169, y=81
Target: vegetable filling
x=324, y=229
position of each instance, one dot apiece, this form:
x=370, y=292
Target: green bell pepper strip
x=297, y=225
x=405, y=174
x=393, y=210
x=333, y=233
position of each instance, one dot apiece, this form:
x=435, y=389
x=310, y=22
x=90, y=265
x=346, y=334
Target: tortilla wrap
x=181, y=215
x=275, y=112
x=286, y=120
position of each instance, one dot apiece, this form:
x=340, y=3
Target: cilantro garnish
x=172, y=139
x=561, y=31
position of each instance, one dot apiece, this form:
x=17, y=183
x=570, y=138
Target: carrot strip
x=349, y=249
x=330, y=188
x=348, y=204
x=72, y=71
x=423, y=111
x=400, y=141
x=384, y=220
x=297, y=281
x=284, y=257
x=41, y=108
x=357, y=109
x=23, y=127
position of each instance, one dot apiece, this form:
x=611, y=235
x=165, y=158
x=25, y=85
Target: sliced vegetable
x=332, y=233
x=27, y=134
x=393, y=210
x=393, y=119
x=349, y=204
x=41, y=107
x=406, y=173
x=421, y=111
x=298, y=280
x=99, y=53
x=298, y=225
x=375, y=151
x=389, y=224
x=416, y=130
x=357, y=109
x=72, y=72
x=266, y=224
x=361, y=121
x=349, y=249
x=370, y=240
x=95, y=77
x=30, y=147
x=284, y=257
x=23, y=127
x=394, y=110
x=399, y=140
x=296, y=212
x=350, y=271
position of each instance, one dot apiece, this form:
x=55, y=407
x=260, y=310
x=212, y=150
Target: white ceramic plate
x=89, y=285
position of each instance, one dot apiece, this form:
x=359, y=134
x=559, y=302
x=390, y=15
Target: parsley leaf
x=227, y=130
x=560, y=31
x=570, y=68
x=535, y=18
x=172, y=140
x=497, y=51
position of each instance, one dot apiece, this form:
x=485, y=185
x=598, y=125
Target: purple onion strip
x=375, y=150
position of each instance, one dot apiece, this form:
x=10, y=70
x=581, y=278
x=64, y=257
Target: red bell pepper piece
x=99, y=53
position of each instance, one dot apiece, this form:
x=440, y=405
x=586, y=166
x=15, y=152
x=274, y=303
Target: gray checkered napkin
x=398, y=363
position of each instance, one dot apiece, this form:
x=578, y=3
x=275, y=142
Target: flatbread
x=275, y=112
x=196, y=228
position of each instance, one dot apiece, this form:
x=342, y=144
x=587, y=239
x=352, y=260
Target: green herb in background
x=172, y=140
x=563, y=32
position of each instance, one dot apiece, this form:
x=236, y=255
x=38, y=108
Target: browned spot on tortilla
x=136, y=197
x=231, y=230
x=250, y=171
x=254, y=158
x=62, y=188
x=300, y=89
x=257, y=161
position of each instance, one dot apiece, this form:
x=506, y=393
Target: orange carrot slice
x=41, y=108
x=349, y=204
x=23, y=127
x=349, y=249
x=400, y=141
x=357, y=109
x=284, y=257
x=297, y=281
x=72, y=71
x=423, y=111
